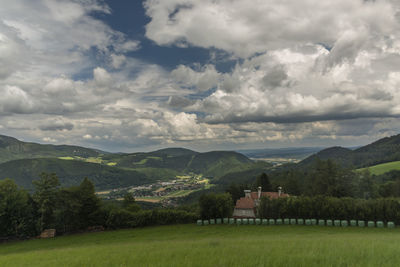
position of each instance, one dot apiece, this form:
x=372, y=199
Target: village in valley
x=165, y=192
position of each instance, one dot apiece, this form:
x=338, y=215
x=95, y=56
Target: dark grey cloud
x=57, y=127
x=179, y=102
x=295, y=118
x=275, y=77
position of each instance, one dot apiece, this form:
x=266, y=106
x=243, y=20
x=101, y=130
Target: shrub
x=324, y=208
x=121, y=218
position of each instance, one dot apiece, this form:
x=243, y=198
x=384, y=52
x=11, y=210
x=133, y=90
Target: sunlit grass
x=218, y=245
x=94, y=160
x=382, y=168
x=141, y=162
x=66, y=158
x=183, y=177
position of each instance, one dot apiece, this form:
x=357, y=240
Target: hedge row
x=339, y=223
x=325, y=208
x=121, y=218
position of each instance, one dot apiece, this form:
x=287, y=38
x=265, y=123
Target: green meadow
x=214, y=245
x=383, y=168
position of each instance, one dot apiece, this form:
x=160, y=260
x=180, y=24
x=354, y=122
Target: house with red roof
x=246, y=207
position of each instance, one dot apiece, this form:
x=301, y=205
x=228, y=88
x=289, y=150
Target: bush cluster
x=72, y=209
x=215, y=205
x=122, y=218
x=322, y=207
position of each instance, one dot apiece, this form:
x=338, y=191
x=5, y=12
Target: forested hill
x=384, y=150
x=214, y=163
x=12, y=148
x=71, y=173
x=174, y=152
x=23, y=162
x=338, y=154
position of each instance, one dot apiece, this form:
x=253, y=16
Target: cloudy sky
x=203, y=74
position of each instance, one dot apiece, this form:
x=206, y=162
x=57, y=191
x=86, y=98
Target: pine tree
x=263, y=181
x=47, y=189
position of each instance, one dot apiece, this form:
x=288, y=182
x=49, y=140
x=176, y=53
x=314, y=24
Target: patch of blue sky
x=199, y=114
x=96, y=58
x=326, y=46
x=129, y=18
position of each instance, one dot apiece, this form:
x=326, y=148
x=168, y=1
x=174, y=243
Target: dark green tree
x=328, y=179
x=215, y=205
x=236, y=191
x=90, y=204
x=263, y=181
x=68, y=210
x=367, y=186
x=46, y=194
x=129, y=203
x=16, y=211
x=292, y=185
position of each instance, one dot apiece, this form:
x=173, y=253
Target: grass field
x=382, y=168
x=217, y=245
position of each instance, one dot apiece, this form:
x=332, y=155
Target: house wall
x=244, y=213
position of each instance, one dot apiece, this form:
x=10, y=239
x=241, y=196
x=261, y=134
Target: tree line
x=72, y=209
x=327, y=178
x=326, y=191
x=323, y=207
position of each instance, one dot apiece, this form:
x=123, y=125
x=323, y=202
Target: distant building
x=246, y=206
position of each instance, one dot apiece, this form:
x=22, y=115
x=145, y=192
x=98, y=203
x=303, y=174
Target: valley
x=164, y=176
x=163, y=192
x=160, y=176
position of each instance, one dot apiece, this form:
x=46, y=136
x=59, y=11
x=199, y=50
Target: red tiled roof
x=248, y=203
x=272, y=195
x=244, y=203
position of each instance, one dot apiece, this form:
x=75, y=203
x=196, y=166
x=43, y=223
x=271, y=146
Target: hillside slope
x=290, y=152
x=23, y=162
x=70, y=172
x=218, y=163
x=384, y=150
x=214, y=163
x=11, y=149
x=340, y=155
x=382, y=168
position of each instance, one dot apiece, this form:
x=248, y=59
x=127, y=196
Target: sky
x=137, y=75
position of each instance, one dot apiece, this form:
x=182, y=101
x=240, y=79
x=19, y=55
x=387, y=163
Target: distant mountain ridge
x=12, y=149
x=174, y=151
x=214, y=163
x=383, y=150
x=70, y=172
x=24, y=161
x=289, y=152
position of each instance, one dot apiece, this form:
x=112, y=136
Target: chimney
x=279, y=191
x=259, y=192
x=247, y=193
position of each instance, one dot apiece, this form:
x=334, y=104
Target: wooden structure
x=48, y=233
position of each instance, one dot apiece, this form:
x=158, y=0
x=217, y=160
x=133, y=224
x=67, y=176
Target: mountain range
x=24, y=161
x=12, y=148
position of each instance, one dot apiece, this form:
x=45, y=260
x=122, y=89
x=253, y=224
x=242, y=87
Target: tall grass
x=218, y=245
